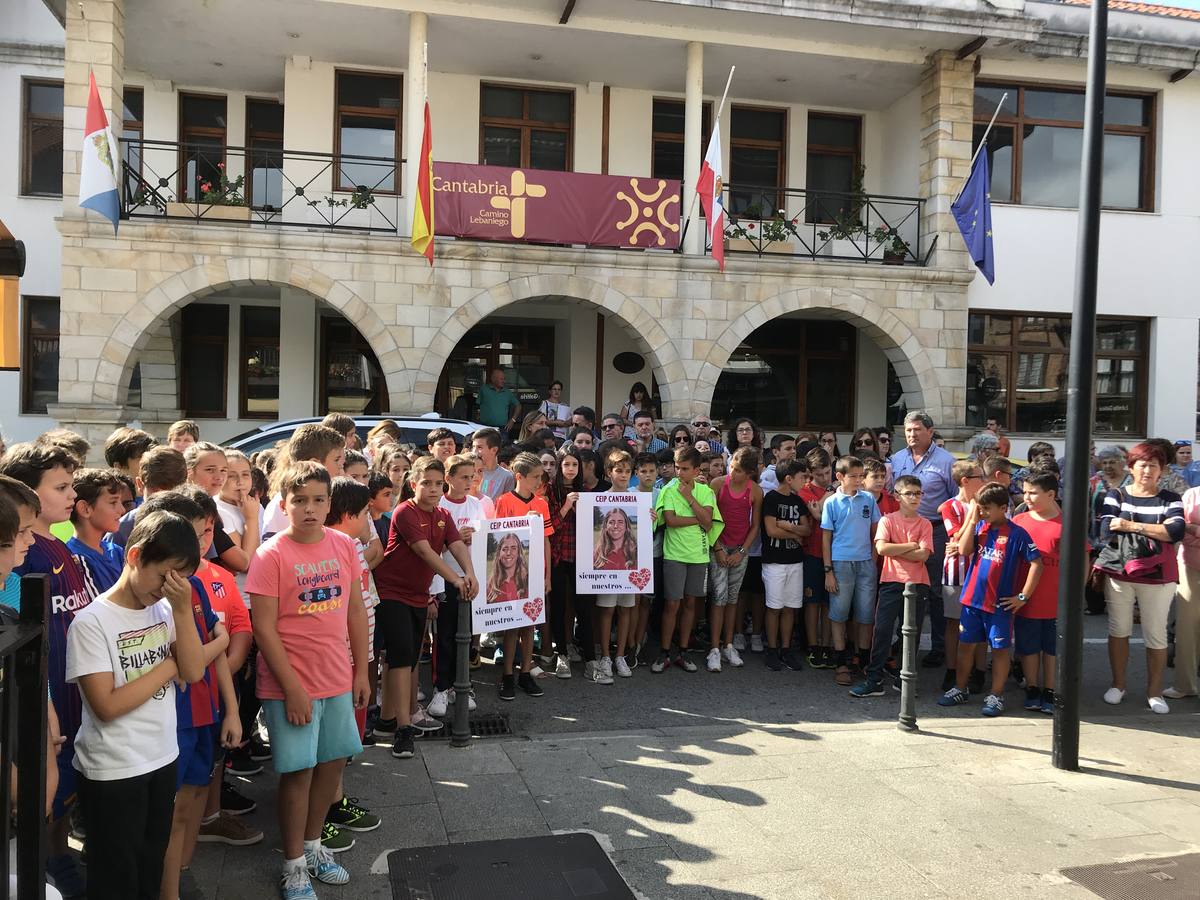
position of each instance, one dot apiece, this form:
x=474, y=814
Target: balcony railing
x=852, y=226
x=262, y=184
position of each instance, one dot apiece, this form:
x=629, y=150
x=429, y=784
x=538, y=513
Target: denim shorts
x=726, y=581
x=995, y=628
x=332, y=734
x=857, y=580
x=1034, y=636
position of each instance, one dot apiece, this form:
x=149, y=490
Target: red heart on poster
x=640, y=578
x=533, y=608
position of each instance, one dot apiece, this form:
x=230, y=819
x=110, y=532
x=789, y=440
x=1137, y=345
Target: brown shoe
x=227, y=829
x=842, y=676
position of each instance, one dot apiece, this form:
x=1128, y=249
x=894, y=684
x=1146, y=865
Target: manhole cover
x=554, y=867
x=490, y=725
x=1166, y=878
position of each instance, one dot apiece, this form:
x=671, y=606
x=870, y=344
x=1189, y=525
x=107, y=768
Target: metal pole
x=460, y=729
x=982, y=143
x=1080, y=408
x=908, y=662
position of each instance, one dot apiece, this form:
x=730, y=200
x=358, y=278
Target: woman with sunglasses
x=681, y=436
x=883, y=435
x=866, y=441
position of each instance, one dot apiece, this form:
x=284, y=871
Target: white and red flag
x=710, y=187
x=98, y=171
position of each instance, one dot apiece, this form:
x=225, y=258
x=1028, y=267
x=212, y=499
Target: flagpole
x=982, y=144
x=717, y=126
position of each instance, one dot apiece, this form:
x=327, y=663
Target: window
x=1035, y=146
x=202, y=142
x=204, y=336
x=39, y=353
x=42, y=139
x=666, y=149
x=132, y=132
x=368, y=131
x=351, y=380
x=757, y=148
x=524, y=128
x=1017, y=372
x=264, y=149
x=834, y=158
x=791, y=372
x=259, y=395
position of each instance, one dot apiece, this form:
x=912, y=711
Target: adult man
x=612, y=434
x=643, y=433
x=701, y=427
x=498, y=406
x=932, y=465
x=584, y=417
x=1004, y=444
x=984, y=445
x=1188, y=470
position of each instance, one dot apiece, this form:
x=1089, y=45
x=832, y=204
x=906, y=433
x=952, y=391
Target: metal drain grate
x=490, y=725
x=1165, y=878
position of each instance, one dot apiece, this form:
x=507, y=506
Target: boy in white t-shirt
x=126, y=651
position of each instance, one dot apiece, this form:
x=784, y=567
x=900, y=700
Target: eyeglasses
x=608, y=425
x=865, y=444
x=978, y=475
x=884, y=439
x=683, y=440
x=909, y=493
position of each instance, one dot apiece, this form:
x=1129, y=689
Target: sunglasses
x=608, y=425
x=683, y=440
x=884, y=439
x=701, y=424
x=865, y=444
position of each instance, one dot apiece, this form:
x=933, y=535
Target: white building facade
x=843, y=127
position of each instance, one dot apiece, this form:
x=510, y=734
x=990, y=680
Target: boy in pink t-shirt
x=904, y=539
x=305, y=594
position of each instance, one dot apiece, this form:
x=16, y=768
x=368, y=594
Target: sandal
x=842, y=676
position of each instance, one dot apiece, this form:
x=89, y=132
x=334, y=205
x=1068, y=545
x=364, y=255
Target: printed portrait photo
x=614, y=537
x=507, y=566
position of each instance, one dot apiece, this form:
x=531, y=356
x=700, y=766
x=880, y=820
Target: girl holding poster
x=510, y=570
x=561, y=497
x=617, y=547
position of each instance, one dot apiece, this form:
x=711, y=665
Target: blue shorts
x=1034, y=636
x=993, y=628
x=814, y=581
x=195, y=766
x=332, y=734
x=857, y=580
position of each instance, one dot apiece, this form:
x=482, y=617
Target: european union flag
x=973, y=213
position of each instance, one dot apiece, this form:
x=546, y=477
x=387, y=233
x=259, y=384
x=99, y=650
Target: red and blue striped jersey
x=198, y=704
x=1002, y=555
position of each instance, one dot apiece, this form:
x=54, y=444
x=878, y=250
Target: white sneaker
x=595, y=673
x=562, y=668
x=606, y=666
x=623, y=668
x=454, y=699
x=1159, y=705
x=420, y=696
x=739, y=641
x=537, y=671
x=756, y=644
x=1114, y=696
x=437, y=706
x=732, y=656
x=573, y=655
x=714, y=660
x=1173, y=693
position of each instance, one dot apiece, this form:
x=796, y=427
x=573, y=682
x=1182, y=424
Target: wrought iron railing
x=23, y=649
x=262, y=185
x=852, y=226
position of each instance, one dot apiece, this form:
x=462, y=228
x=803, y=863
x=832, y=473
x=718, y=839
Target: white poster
x=509, y=559
x=614, y=544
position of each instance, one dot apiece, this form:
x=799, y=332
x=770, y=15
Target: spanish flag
x=422, y=222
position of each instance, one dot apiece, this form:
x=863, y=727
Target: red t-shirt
x=614, y=560
x=506, y=592
x=225, y=597
x=887, y=503
x=1047, y=537
x=813, y=493
x=401, y=574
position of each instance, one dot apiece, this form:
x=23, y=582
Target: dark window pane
x=1000, y=159
x=1045, y=104
x=264, y=115
x=353, y=378
x=501, y=146
x=828, y=395
x=990, y=330
x=41, y=314
x=206, y=320
x=830, y=180
x=1117, y=395
x=1041, y=391
x=1044, y=331
x=987, y=387
x=1126, y=111
x=987, y=98
x=550, y=106
x=668, y=117
x=757, y=124
x=260, y=361
x=200, y=158
x=502, y=103
x=548, y=150
x=1050, y=166
x=1117, y=335
x=202, y=112
x=368, y=91
x=133, y=104
x=45, y=161
x=754, y=167
x=266, y=173
x=368, y=136
x=202, y=374
x=833, y=131
x=668, y=160
x=260, y=322
x=45, y=100
x=825, y=338
x=762, y=386
x=39, y=362
x=1123, y=171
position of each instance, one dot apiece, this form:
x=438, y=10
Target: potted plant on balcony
x=218, y=199
x=750, y=232
x=848, y=224
x=895, y=248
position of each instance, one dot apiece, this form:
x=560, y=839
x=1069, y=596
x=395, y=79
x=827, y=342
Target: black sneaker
x=384, y=730
x=529, y=685
x=934, y=659
x=508, y=687
x=404, y=746
x=239, y=763
x=234, y=803
x=259, y=752
x=791, y=659
x=771, y=658
x=975, y=681
x=828, y=658
x=948, y=680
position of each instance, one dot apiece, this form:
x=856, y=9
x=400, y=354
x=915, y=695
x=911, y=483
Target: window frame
x=186, y=132
x=855, y=155
x=1014, y=348
x=780, y=146
x=26, y=121
x=670, y=137
x=527, y=125
x=247, y=344
x=1018, y=122
x=27, y=337
x=131, y=126
x=252, y=136
x=203, y=343
x=372, y=112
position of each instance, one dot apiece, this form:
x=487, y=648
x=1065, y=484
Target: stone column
x=947, y=98
x=414, y=113
x=693, y=106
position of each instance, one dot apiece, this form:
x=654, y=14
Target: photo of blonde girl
x=508, y=565
x=615, y=541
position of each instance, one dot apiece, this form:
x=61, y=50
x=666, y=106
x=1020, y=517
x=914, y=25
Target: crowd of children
x=199, y=596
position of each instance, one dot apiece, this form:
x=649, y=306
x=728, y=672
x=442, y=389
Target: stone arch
x=132, y=332
x=641, y=322
x=894, y=337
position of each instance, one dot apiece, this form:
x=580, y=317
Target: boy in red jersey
x=1037, y=625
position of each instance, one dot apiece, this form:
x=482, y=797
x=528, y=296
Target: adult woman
x=828, y=442
x=681, y=436
x=557, y=413
x=530, y=425
x=1187, y=610
x=883, y=434
x=639, y=399
x=865, y=440
x=743, y=433
x=1140, y=508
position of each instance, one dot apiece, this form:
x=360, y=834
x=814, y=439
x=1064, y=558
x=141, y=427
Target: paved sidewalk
x=738, y=808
